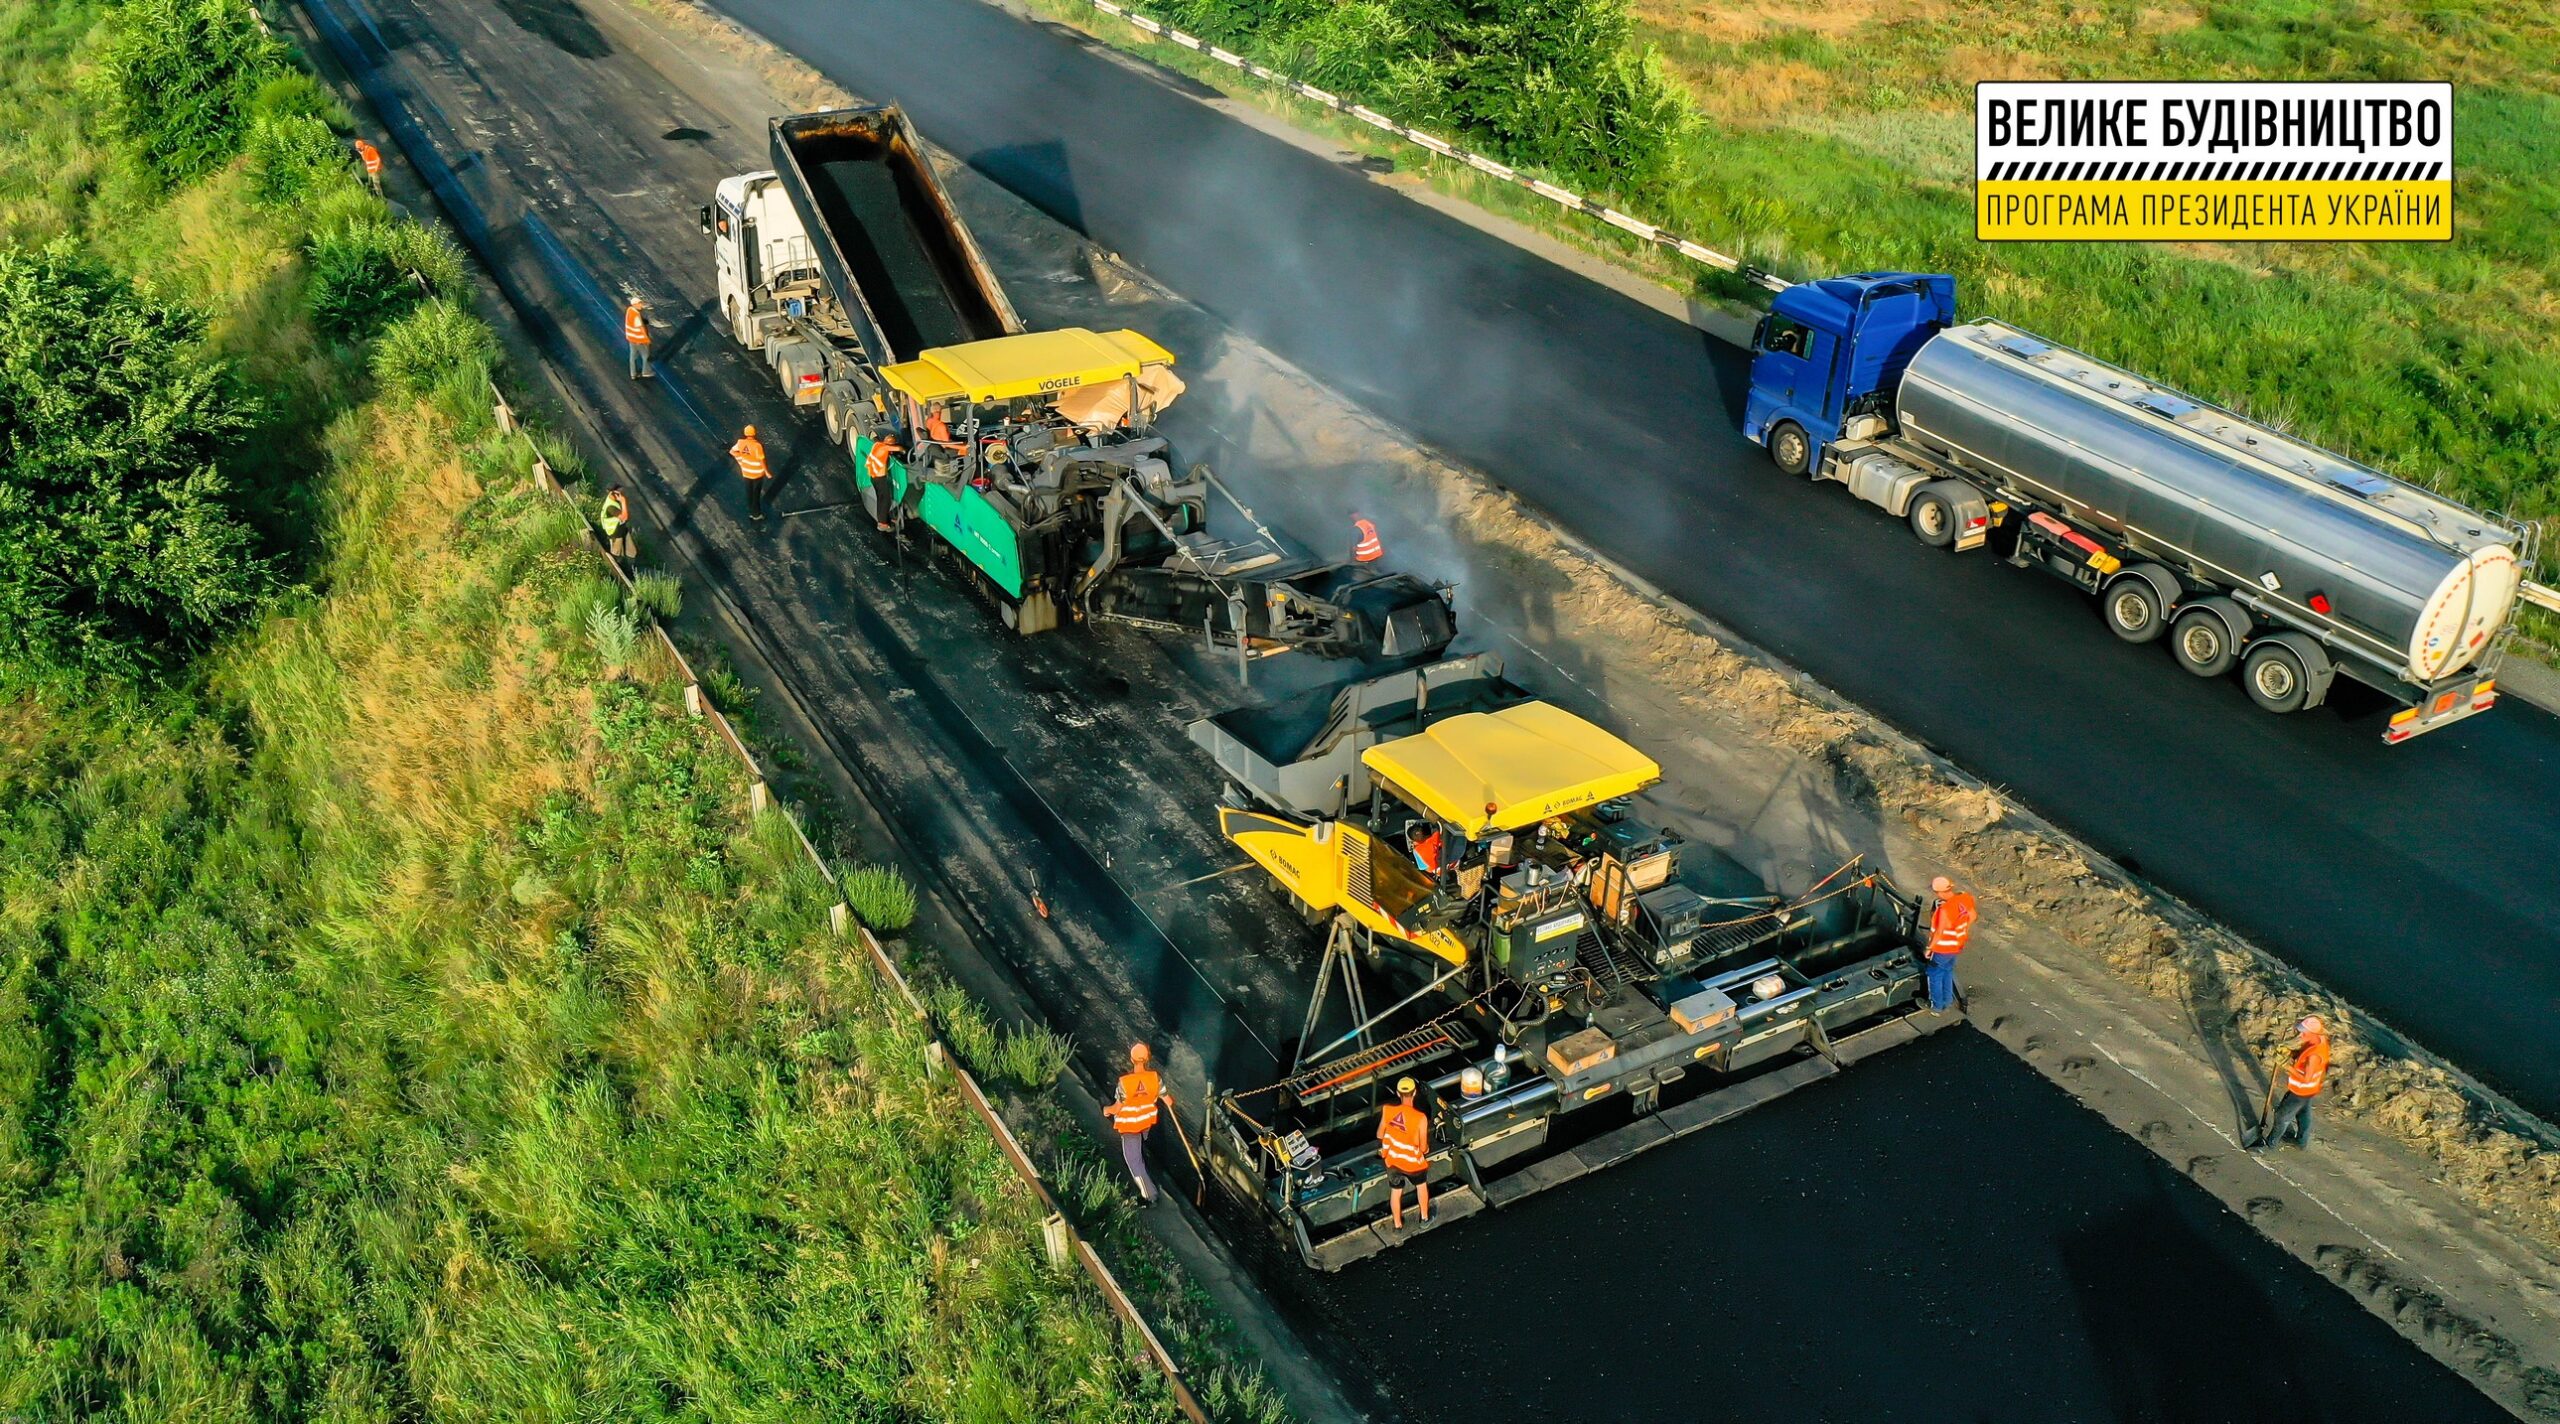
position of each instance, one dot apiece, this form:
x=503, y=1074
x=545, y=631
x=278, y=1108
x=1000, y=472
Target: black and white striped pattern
x=2213, y=172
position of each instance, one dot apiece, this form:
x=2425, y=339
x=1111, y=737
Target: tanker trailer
x=2240, y=545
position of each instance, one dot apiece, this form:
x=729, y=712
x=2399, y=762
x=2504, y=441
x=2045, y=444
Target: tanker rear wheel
x=1933, y=520
x=2203, y=643
x=2133, y=610
x=1791, y=448
x=2276, y=679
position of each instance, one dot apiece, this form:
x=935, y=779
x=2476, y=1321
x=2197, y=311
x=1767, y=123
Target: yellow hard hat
x=1405, y=1086
x=751, y=432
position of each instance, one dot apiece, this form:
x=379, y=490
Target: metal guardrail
x=1062, y=1241
x=1564, y=198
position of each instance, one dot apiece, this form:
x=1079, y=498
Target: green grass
x=400, y=1016
x=1835, y=135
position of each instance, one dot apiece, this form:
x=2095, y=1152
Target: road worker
x=749, y=453
x=876, y=489
x=372, y=159
x=1404, y=1145
x=1426, y=849
x=615, y=520
x=1950, y=925
x=635, y=336
x=2289, y=1111
x=1365, y=546
x=1141, y=1093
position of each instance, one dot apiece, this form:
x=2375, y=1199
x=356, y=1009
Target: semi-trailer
x=2243, y=546
x=1032, y=456
x=1565, y=986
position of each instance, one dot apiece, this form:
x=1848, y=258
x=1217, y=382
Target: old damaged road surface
x=2418, y=881
x=1896, y=1202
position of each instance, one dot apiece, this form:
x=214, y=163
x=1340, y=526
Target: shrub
x=118, y=534
x=881, y=897
x=365, y=272
x=181, y=77
x=293, y=94
x=1034, y=1056
x=435, y=348
x=660, y=595
x=292, y=156
x=614, y=634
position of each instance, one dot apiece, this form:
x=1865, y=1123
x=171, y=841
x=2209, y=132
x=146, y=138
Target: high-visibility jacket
x=372, y=157
x=1139, y=1092
x=876, y=464
x=1368, y=550
x=634, y=330
x=1426, y=850
x=1404, y=1139
x=937, y=428
x=749, y=453
x=1951, y=924
x=617, y=512
x=2310, y=1068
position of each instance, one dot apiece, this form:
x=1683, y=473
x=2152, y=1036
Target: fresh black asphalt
x=2420, y=881
x=1942, y=1206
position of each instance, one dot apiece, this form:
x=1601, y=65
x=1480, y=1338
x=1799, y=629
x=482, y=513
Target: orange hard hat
x=751, y=432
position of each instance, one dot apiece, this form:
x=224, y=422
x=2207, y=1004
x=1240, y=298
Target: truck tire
x=2134, y=606
x=1790, y=447
x=2287, y=672
x=1933, y=519
x=2203, y=638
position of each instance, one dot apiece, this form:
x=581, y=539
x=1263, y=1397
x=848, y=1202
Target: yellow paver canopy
x=1499, y=771
x=1033, y=363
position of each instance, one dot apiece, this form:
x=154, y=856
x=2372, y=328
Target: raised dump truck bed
x=883, y=230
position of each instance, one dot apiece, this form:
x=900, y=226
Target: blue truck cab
x=1834, y=349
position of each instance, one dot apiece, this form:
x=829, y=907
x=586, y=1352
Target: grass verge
x=400, y=1015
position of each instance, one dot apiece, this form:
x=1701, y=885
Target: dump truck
x=1567, y=988
x=2243, y=547
x=1032, y=456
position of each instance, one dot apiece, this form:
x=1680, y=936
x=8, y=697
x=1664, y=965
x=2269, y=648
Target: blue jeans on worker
x=2293, y=1114
x=1942, y=982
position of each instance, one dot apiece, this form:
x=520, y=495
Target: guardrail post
x=693, y=699
x=506, y=418
x=759, y=798
x=1059, y=1241
x=937, y=1059
x=543, y=479
x=840, y=919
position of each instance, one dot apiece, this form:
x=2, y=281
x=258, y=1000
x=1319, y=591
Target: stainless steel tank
x=2408, y=579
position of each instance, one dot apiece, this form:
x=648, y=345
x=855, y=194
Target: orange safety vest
x=617, y=512
x=1426, y=850
x=1404, y=1140
x=2310, y=1068
x=876, y=464
x=749, y=454
x=634, y=330
x=1951, y=924
x=937, y=428
x=1136, y=1110
x=1368, y=550
x=372, y=157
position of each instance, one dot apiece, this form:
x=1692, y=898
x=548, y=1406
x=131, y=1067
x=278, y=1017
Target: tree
x=182, y=80
x=120, y=541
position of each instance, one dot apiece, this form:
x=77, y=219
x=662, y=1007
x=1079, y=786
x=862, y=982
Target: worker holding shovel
x=1141, y=1093
x=2289, y=1101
